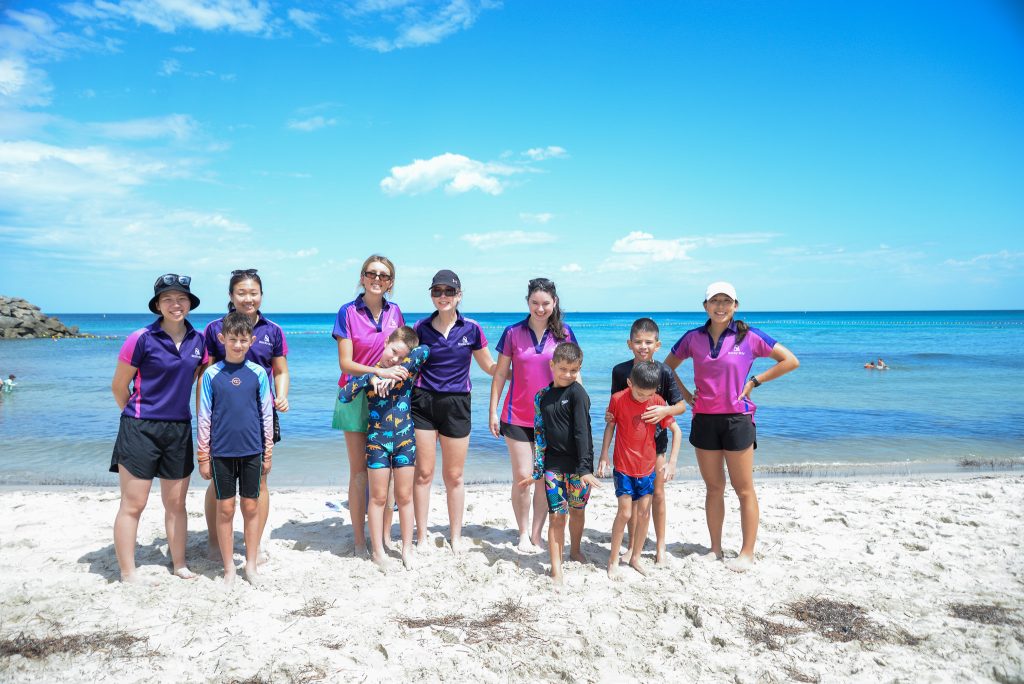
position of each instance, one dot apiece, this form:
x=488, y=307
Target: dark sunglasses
x=243, y=272
x=443, y=292
x=169, y=278
x=373, y=275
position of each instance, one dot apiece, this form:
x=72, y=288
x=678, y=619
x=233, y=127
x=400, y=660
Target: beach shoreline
x=905, y=552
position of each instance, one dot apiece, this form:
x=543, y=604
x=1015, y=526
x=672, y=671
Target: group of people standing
x=394, y=377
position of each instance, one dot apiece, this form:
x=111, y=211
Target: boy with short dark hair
x=635, y=458
x=643, y=342
x=564, y=453
x=236, y=430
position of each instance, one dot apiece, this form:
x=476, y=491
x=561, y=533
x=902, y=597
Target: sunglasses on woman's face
x=373, y=275
x=443, y=292
x=169, y=278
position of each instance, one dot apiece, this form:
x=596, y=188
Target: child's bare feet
x=661, y=558
x=140, y=580
x=229, y=579
x=637, y=565
x=526, y=545
x=741, y=563
x=458, y=546
x=713, y=556
x=424, y=545
x=626, y=557
x=579, y=557
x=185, y=574
x=359, y=551
x=556, y=576
x=264, y=557
x=613, y=572
x=408, y=557
x=252, y=574
x=383, y=563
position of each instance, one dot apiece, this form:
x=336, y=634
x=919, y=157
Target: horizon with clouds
x=820, y=156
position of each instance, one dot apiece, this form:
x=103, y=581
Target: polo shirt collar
x=459, y=318
x=730, y=328
x=155, y=327
x=361, y=305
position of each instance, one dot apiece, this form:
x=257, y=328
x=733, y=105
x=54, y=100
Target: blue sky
x=819, y=155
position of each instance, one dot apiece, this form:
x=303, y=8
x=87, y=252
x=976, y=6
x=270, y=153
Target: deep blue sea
x=953, y=393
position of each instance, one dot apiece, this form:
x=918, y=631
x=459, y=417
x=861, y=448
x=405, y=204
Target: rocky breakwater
x=20, y=319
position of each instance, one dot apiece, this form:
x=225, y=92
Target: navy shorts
x=277, y=428
x=723, y=431
x=153, y=448
x=446, y=412
x=237, y=475
x=635, y=487
x=517, y=433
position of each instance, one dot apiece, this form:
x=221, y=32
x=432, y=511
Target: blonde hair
x=380, y=259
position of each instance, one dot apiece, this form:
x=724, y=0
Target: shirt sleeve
x=280, y=344
x=417, y=357
x=134, y=349
x=570, y=336
x=348, y=391
x=210, y=341
x=675, y=395
x=503, y=341
x=341, y=323
x=681, y=349
x=205, y=411
x=582, y=432
x=481, y=339
x=266, y=410
x=539, y=439
x=760, y=343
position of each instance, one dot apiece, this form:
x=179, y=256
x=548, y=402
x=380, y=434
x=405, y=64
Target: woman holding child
x=525, y=349
x=441, y=403
x=269, y=350
x=722, y=431
x=361, y=330
x=154, y=438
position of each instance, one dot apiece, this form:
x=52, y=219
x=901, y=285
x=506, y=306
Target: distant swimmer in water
x=880, y=365
x=870, y=364
x=9, y=384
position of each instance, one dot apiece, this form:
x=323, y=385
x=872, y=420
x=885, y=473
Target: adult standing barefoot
x=152, y=386
x=361, y=330
x=270, y=351
x=722, y=430
x=524, y=352
x=441, y=401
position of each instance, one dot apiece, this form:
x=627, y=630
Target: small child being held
x=236, y=430
x=635, y=458
x=564, y=453
x=390, y=440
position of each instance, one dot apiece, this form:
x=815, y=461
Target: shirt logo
x=195, y=353
x=265, y=340
x=464, y=342
x=736, y=349
x=236, y=381
x=564, y=402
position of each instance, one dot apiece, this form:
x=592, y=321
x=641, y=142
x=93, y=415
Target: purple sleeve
x=341, y=323
x=569, y=335
x=681, y=349
x=280, y=343
x=503, y=340
x=133, y=349
x=760, y=343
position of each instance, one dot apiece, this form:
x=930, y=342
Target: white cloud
x=184, y=49
x=497, y=239
x=572, y=268
x=242, y=16
x=542, y=153
x=639, y=243
x=177, y=126
x=304, y=20
x=169, y=67
x=1001, y=259
x=542, y=217
x=313, y=123
x=22, y=84
x=639, y=249
x=456, y=172
x=418, y=22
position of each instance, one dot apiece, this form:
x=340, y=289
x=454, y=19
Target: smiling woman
x=155, y=435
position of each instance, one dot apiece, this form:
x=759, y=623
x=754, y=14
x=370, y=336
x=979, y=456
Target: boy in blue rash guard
x=236, y=428
x=390, y=440
x=564, y=453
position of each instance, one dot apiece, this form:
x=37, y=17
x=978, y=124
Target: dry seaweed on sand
x=836, y=621
x=118, y=643
x=297, y=675
x=983, y=613
x=799, y=676
x=316, y=607
x=504, y=620
x=760, y=630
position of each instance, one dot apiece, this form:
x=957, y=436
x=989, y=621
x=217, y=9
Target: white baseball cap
x=721, y=287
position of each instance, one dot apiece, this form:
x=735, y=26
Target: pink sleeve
x=131, y=352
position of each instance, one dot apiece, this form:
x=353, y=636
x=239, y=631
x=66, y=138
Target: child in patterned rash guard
x=564, y=453
x=390, y=440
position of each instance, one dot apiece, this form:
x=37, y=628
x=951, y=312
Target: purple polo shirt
x=531, y=368
x=270, y=343
x=162, y=386
x=355, y=322
x=720, y=371
x=447, y=367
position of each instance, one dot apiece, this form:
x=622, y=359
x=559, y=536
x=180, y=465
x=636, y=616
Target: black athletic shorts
x=153, y=448
x=241, y=471
x=723, y=431
x=517, y=433
x=277, y=428
x=446, y=412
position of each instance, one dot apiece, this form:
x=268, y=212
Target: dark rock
x=20, y=319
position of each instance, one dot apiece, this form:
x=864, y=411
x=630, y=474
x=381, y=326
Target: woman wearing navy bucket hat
x=441, y=401
x=153, y=388
x=722, y=430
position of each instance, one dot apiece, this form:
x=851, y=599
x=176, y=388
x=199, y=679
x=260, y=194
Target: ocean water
x=952, y=395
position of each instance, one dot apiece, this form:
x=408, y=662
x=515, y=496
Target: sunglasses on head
x=169, y=278
x=373, y=275
x=243, y=272
x=443, y=292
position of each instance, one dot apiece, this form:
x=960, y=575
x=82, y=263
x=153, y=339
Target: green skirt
x=353, y=416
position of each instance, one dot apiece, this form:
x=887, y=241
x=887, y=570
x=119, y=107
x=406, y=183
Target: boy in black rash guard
x=564, y=453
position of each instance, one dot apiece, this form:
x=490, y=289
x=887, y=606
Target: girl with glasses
x=525, y=350
x=361, y=330
x=441, y=402
x=269, y=350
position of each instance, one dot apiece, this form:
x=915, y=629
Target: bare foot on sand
x=712, y=556
x=556, y=577
x=741, y=563
x=185, y=574
x=638, y=566
x=626, y=557
x=264, y=557
x=579, y=557
x=383, y=564
x=527, y=546
x=425, y=545
x=613, y=572
x=359, y=551
x=252, y=575
x=408, y=558
x=137, y=579
x=458, y=546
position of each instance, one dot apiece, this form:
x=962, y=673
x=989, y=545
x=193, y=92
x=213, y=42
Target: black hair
x=236, y=323
x=555, y=326
x=239, y=276
x=645, y=375
x=644, y=325
x=567, y=352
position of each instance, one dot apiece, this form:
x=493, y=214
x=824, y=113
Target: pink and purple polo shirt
x=162, y=386
x=355, y=322
x=531, y=368
x=720, y=371
x=447, y=367
x=270, y=343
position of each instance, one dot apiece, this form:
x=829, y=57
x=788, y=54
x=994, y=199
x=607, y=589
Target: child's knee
x=226, y=509
x=249, y=506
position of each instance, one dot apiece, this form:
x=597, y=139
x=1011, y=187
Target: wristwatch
x=753, y=379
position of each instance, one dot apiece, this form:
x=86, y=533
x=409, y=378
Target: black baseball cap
x=446, y=278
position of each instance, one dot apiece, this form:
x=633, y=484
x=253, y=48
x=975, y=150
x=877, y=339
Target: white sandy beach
x=904, y=551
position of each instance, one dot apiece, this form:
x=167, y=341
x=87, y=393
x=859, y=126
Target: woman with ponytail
x=525, y=350
x=722, y=430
